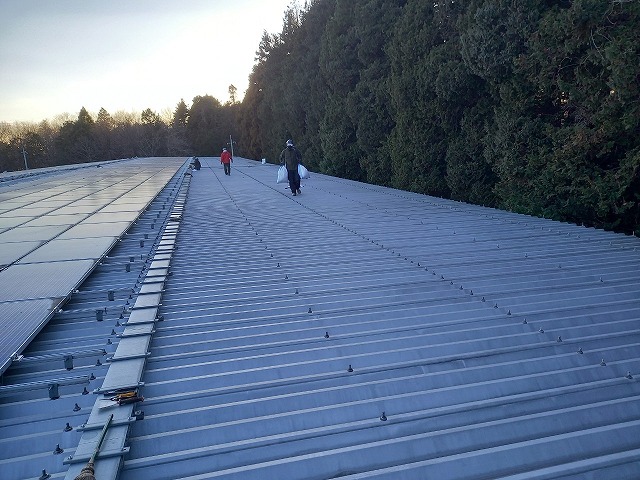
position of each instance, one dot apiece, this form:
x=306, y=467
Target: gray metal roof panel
x=344, y=333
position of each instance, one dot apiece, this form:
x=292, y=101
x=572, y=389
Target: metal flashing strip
x=128, y=362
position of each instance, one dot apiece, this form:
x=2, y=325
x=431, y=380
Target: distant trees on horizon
x=531, y=106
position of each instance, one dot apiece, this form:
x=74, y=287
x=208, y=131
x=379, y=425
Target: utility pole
x=24, y=155
x=231, y=144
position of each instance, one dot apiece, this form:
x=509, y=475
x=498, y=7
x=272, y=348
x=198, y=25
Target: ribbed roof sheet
x=353, y=331
x=362, y=332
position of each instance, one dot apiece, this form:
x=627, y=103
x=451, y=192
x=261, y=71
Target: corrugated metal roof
x=355, y=331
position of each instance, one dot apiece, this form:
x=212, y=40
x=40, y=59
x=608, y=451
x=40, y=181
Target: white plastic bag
x=282, y=175
x=302, y=171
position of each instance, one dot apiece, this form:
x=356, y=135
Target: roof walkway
x=353, y=331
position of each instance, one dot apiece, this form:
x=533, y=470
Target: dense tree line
x=202, y=128
x=530, y=106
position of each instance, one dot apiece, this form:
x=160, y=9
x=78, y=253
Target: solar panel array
x=353, y=331
x=55, y=227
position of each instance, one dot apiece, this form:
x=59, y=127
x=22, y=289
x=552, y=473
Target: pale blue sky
x=57, y=56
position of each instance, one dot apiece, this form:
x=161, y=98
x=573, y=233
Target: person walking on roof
x=291, y=158
x=225, y=160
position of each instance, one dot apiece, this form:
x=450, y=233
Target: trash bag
x=282, y=175
x=302, y=171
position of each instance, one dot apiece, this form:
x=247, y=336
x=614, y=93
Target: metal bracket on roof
x=70, y=460
x=98, y=426
x=108, y=391
x=52, y=385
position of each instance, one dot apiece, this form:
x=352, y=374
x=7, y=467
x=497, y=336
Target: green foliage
x=530, y=106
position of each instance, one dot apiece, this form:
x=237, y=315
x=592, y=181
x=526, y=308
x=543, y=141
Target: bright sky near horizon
x=57, y=56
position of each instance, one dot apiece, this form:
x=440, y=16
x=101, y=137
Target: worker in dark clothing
x=196, y=163
x=291, y=158
x=225, y=160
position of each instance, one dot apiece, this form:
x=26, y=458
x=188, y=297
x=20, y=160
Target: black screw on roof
x=92, y=376
x=111, y=295
x=470, y=292
x=580, y=351
x=541, y=330
x=326, y=334
x=98, y=363
x=629, y=376
x=85, y=391
x=559, y=339
x=509, y=312
x=310, y=310
x=68, y=427
x=296, y=290
x=76, y=407
x=278, y=264
x=109, y=342
x=44, y=475
x=58, y=450
x=483, y=299
x=525, y=321
x=350, y=369
x=383, y=417
x=603, y=363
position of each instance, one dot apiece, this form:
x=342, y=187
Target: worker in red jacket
x=225, y=160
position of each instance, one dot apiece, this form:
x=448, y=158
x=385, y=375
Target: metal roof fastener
x=559, y=339
x=350, y=369
x=580, y=351
x=629, y=376
x=68, y=427
x=383, y=417
x=76, y=408
x=326, y=334
x=541, y=330
x=603, y=363
x=58, y=450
